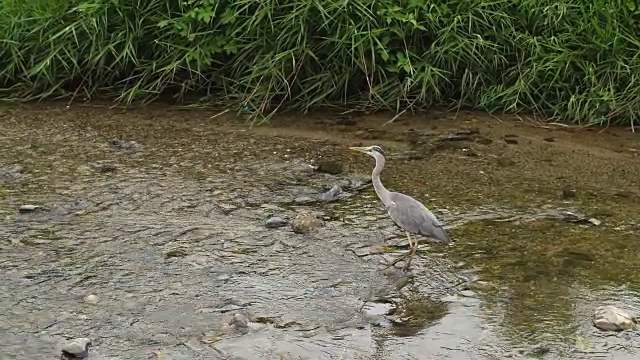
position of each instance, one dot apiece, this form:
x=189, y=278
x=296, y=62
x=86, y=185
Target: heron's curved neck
x=382, y=192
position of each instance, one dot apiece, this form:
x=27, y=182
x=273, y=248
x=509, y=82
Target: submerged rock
x=304, y=199
x=240, y=321
x=580, y=219
x=275, y=222
x=91, y=299
x=358, y=181
x=611, y=318
x=10, y=174
x=305, y=223
x=329, y=167
x=331, y=195
x=76, y=349
x=125, y=144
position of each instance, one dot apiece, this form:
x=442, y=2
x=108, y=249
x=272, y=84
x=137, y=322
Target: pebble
x=76, y=348
x=367, y=250
x=92, y=299
x=275, y=222
x=468, y=293
x=29, y=208
x=176, y=252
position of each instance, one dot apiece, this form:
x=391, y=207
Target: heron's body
x=407, y=212
x=415, y=218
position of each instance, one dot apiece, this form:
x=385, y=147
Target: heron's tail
x=441, y=235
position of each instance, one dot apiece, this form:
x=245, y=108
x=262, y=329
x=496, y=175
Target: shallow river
x=149, y=235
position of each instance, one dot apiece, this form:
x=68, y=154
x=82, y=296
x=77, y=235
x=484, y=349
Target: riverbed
x=160, y=213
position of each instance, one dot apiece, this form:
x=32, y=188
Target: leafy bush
x=570, y=60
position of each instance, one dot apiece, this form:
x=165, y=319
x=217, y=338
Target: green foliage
x=570, y=60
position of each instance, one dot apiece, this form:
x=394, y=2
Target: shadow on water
x=419, y=313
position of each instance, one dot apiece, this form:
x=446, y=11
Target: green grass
x=571, y=61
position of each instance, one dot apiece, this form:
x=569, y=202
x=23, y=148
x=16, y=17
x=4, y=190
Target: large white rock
x=612, y=318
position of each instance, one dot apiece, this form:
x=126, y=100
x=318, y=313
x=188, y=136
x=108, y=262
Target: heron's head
x=371, y=150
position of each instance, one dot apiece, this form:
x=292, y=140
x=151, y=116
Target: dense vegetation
x=572, y=60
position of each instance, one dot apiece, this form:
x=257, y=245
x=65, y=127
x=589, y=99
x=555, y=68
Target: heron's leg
x=411, y=252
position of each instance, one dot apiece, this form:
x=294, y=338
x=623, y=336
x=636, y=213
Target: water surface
x=171, y=236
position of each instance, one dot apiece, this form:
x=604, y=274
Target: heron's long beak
x=356, y=148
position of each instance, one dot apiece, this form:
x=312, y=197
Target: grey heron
x=408, y=213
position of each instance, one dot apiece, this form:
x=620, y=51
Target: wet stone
x=240, y=321
x=377, y=313
x=30, y=208
x=569, y=193
x=539, y=351
x=452, y=138
x=331, y=195
x=126, y=144
x=305, y=223
x=76, y=349
x=105, y=168
x=469, y=152
x=483, y=140
x=10, y=174
x=358, y=181
x=580, y=219
x=175, y=252
x=346, y=121
x=304, y=199
x=449, y=298
x=271, y=207
x=468, y=293
x=226, y=208
x=329, y=167
x=511, y=139
x=367, y=250
x=91, y=299
x=275, y=222
x=611, y=318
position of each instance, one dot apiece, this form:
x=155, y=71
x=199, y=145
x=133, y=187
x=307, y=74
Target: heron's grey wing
x=413, y=216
